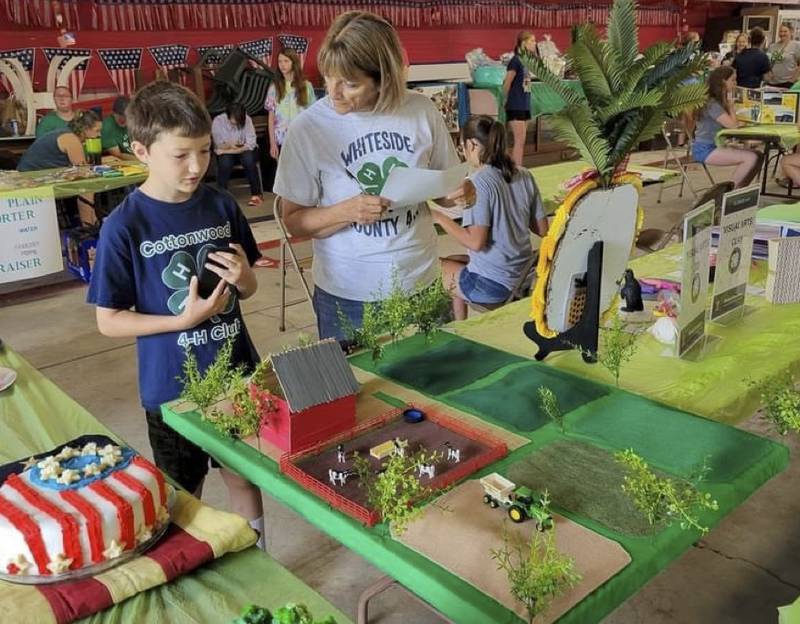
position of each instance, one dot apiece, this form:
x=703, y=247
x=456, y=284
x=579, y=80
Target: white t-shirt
x=328, y=157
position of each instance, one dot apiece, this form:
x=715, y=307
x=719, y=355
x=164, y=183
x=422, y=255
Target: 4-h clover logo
x=177, y=275
x=371, y=177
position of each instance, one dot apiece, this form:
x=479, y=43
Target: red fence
x=496, y=449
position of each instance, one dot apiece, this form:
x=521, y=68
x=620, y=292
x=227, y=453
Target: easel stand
x=582, y=335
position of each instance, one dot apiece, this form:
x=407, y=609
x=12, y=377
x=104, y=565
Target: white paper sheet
x=407, y=186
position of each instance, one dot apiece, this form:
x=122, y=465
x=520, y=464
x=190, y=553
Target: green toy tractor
x=520, y=502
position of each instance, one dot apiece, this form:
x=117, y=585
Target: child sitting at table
x=717, y=114
x=496, y=228
x=145, y=280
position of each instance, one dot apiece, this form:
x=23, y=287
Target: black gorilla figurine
x=632, y=293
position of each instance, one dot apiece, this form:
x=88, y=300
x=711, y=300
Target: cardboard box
x=80, y=246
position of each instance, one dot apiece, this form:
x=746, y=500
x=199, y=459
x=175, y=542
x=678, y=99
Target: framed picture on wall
x=764, y=22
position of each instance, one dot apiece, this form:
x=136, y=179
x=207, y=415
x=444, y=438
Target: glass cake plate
x=92, y=570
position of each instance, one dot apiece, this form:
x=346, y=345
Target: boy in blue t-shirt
x=144, y=282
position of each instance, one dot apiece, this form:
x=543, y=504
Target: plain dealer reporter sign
x=29, y=242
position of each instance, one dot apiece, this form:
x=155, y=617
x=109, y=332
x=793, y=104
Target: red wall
x=423, y=45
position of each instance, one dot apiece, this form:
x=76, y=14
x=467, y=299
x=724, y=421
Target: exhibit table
x=35, y=416
x=717, y=385
x=780, y=138
x=499, y=390
x=133, y=173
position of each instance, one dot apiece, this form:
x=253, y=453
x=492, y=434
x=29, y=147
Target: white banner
x=29, y=233
x=694, y=281
x=734, y=251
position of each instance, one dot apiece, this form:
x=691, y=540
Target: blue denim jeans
x=327, y=306
x=479, y=289
x=249, y=160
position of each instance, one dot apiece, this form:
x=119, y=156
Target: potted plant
x=626, y=99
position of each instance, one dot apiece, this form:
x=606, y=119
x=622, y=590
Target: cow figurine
x=453, y=453
x=427, y=469
x=341, y=456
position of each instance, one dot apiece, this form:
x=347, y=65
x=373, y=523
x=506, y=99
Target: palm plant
x=627, y=97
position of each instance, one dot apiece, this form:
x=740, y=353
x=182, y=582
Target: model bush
x=548, y=401
x=393, y=490
x=425, y=310
x=781, y=401
x=223, y=382
x=617, y=347
x=662, y=499
x=288, y=614
x=537, y=572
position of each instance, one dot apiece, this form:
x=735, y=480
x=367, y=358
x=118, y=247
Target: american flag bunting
x=217, y=54
x=78, y=75
x=122, y=64
x=297, y=43
x=170, y=56
x=23, y=55
x=260, y=48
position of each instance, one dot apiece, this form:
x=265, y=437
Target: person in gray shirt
x=717, y=114
x=495, y=230
x=784, y=56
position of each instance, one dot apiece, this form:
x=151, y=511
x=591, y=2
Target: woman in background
x=496, y=229
x=235, y=140
x=739, y=45
x=287, y=97
x=517, y=92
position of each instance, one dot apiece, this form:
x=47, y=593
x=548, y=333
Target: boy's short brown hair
x=164, y=106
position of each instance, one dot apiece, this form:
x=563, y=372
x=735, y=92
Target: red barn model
x=319, y=396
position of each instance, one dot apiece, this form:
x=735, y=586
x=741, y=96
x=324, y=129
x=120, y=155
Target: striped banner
x=78, y=75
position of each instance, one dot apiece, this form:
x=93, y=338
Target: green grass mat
x=513, y=399
x=445, y=364
x=674, y=441
x=584, y=479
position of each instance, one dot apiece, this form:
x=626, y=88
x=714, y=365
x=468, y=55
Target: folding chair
x=654, y=239
x=671, y=156
x=521, y=289
x=299, y=266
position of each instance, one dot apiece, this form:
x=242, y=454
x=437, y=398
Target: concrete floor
x=740, y=572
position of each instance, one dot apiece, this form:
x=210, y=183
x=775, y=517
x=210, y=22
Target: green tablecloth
x=97, y=184
x=788, y=135
x=784, y=214
x=717, y=386
x=35, y=415
x=607, y=418
x=544, y=100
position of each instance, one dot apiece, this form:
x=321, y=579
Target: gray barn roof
x=314, y=375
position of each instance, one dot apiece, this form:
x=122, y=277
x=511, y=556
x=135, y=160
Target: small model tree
x=223, y=382
x=617, y=347
x=426, y=310
x=548, y=401
x=394, y=489
x=288, y=614
x=781, y=401
x=537, y=572
x=662, y=499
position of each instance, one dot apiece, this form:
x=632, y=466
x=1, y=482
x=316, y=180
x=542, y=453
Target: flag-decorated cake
x=86, y=503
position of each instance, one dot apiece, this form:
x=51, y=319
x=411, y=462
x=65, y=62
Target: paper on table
x=406, y=186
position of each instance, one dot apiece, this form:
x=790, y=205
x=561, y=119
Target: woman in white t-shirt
x=335, y=161
x=496, y=230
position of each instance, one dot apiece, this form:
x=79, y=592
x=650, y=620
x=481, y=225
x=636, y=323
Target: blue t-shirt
x=44, y=153
x=751, y=65
x=146, y=256
x=518, y=98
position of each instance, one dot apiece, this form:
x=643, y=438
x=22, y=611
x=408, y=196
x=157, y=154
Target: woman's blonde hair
x=360, y=41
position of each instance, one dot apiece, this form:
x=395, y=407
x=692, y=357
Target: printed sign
x=29, y=231
x=694, y=283
x=766, y=106
x=736, y=229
